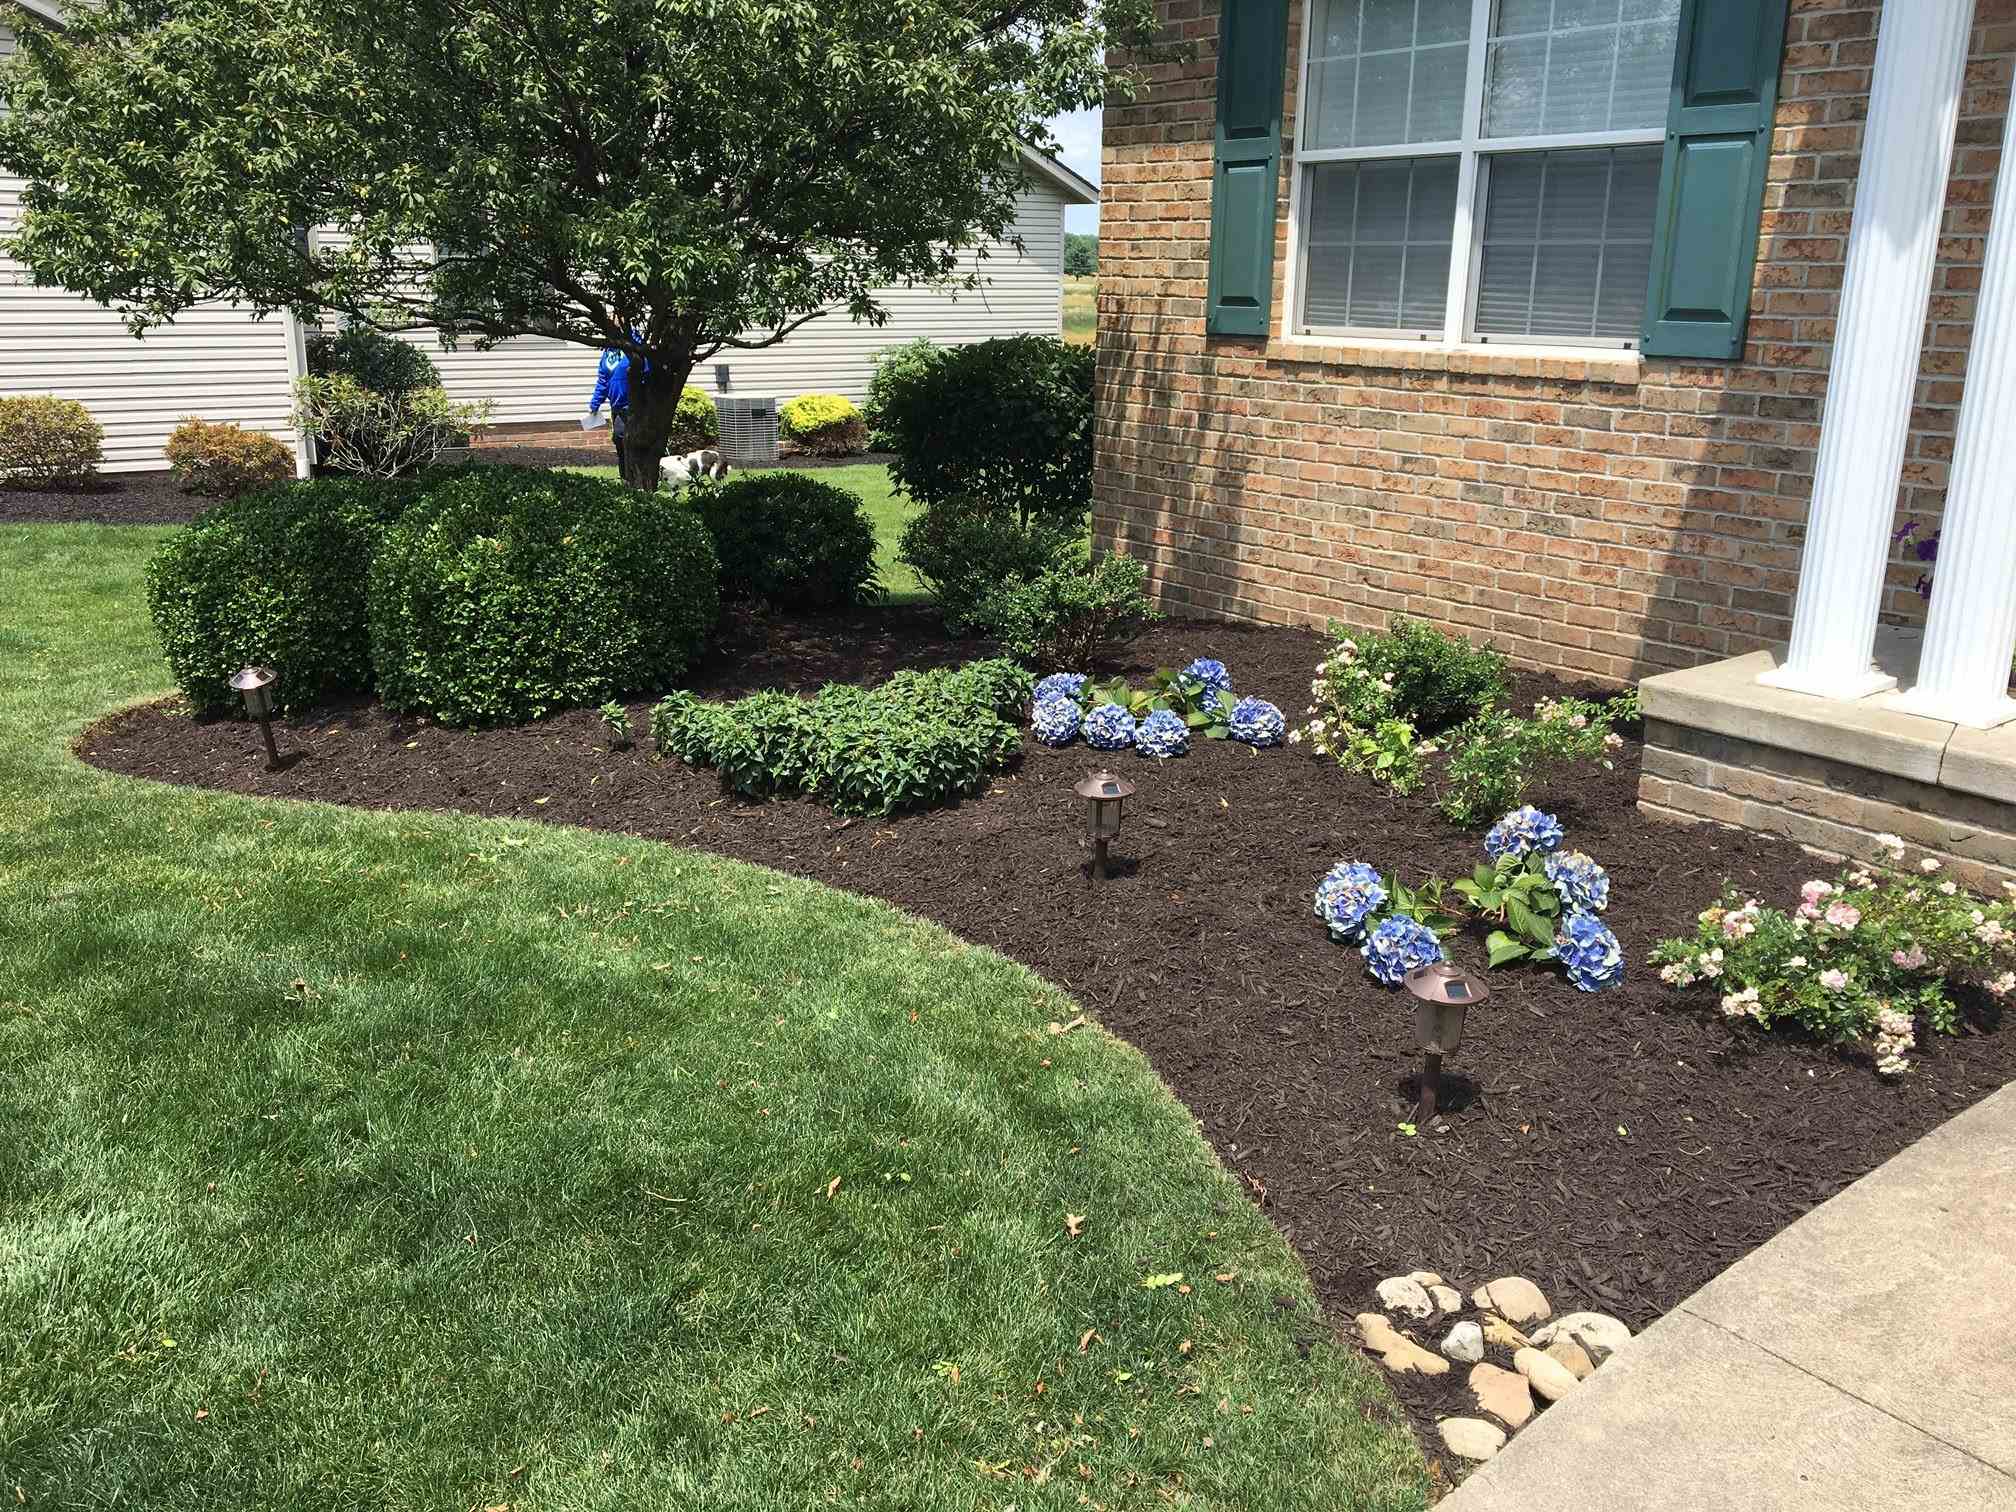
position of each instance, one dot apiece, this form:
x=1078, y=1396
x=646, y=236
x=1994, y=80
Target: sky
x=1079, y=133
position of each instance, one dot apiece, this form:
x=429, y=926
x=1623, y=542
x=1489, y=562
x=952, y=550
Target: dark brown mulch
x=141, y=498
x=1618, y=1149
x=604, y=455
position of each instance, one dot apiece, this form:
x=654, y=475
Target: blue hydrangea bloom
x=1397, y=945
x=1108, y=728
x=1162, y=734
x=1213, y=674
x=1069, y=685
x=1583, y=885
x=1590, y=952
x=1346, y=897
x=1522, y=830
x=1057, y=720
x=1257, y=722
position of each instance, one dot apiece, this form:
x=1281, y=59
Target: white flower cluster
x=1895, y=1036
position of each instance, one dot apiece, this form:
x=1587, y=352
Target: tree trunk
x=654, y=410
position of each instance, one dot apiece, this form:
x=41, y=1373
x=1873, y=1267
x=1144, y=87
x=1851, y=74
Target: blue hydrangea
x=1257, y=722
x=1583, y=885
x=1162, y=734
x=1213, y=674
x=1057, y=720
x=1522, y=830
x=1397, y=945
x=1346, y=897
x=1069, y=685
x=1108, y=728
x=1590, y=951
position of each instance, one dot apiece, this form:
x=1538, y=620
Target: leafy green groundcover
x=413, y=1161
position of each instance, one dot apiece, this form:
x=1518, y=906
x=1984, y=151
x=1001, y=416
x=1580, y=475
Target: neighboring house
x=216, y=361
x=1621, y=333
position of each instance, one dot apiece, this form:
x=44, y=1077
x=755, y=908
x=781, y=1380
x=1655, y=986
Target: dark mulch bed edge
x=1619, y=1149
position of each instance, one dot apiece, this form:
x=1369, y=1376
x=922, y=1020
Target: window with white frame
x=1480, y=170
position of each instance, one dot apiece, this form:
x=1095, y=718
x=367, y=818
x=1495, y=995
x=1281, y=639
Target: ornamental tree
x=674, y=178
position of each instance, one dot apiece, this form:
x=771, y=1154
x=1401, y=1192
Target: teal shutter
x=1711, y=187
x=1252, y=65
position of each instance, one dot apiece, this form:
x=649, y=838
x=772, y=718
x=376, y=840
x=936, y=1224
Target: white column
x=1963, y=673
x=1907, y=150
x=297, y=369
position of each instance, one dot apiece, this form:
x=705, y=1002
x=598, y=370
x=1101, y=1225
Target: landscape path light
x=1105, y=797
x=257, y=685
x=1444, y=995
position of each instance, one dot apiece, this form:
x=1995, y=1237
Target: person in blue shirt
x=612, y=386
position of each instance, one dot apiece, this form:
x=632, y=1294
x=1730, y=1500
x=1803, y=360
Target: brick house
x=1620, y=333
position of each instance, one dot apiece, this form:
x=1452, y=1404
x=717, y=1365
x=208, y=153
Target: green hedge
x=919, y=740
x=791, y=540
x=963, y=553
x=505, y=594
x=274, y=577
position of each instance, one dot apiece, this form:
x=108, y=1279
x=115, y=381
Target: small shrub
x=895, y=366
x=47, y=442
x=919, y=740
x=789, y=538
x=506, y=593
x=274, y=577
x=224, y=461
x=1006, y=421
x=961, y=553
x=1495, y=756
x=373, y=359
x=696, y=424
x=616, y=720
x=380, y=435
x=1865, y=956
x=1071, y=612
x=1409, y=671
x=826, y=425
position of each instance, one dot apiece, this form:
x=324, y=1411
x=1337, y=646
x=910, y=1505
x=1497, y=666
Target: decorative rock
x=1599, y=1334
x=1548, y=1376
x=1406, y=1295
x=1571, y=1354
x=1465, y=1343
x=1513, y=1298
x=1396, y=1351
x=1502, y=1394
x=1429, y=1279
x=1471, y=1438
x=1504, y=1335
x=1446, y=1297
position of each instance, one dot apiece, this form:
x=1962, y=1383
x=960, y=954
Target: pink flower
x=1833, y=981
x=1910, y=959
x=1843, y=915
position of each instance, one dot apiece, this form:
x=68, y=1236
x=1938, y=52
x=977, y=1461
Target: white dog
x=682, y=472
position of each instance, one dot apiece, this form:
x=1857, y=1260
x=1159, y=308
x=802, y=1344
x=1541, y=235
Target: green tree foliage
x=672, y=177
x=1081, y=254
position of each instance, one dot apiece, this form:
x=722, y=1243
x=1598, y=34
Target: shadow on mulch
x=1618, y=1149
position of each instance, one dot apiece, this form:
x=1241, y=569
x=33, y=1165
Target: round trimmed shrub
x=695, y=423
x=788, y=538
x=274, y=577
x=826, y=425
x=380, y=362
x=46, y=442
x=225, y=459
x=962, y=552
x=507, y=593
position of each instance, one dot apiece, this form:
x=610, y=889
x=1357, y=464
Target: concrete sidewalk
x=1864, y=1359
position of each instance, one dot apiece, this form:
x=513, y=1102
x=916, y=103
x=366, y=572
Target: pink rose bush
x=1868, y=957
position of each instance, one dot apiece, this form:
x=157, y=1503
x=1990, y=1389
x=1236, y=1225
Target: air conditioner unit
x=748, y=428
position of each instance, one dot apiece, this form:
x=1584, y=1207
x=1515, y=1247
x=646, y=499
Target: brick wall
x=1606, y=515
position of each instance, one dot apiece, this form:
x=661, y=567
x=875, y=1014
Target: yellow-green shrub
x=827, y=425
x=46, y=442
x=226, y=460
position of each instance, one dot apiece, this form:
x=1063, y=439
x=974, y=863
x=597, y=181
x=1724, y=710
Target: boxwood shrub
x=826, y=425
x=274, y=577
x=919, y=740
x=790, y=539
x=505, y=594
x=962, y=552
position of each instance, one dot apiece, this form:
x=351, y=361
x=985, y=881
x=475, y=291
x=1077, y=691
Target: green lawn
x=358, y=1161
x=889, y=510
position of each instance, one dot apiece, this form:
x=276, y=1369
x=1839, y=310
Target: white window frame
x=1472, y=150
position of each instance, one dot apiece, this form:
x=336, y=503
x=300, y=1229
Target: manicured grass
x=889, y=510
x=417, y=1161
x=1081, y=310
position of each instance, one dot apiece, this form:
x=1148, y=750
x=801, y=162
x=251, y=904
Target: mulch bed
x=1618, y=1149
x=141, y=498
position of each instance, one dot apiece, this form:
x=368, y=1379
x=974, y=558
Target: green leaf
x=1161, y=1279
x=1504, y=948
x=1522, y=918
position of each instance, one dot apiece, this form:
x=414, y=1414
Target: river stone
x=1447, y=1298
x=1502, y=1394
x=1571, y=1354
x=1471, y=1438
x=1403, y=1294
x=1513, y=1298
x=1548, y=1376
x=1396, y=1351
x=1599, y=1334
x=1504, y=1335
x=1465, y=1343
x=1429, y=1279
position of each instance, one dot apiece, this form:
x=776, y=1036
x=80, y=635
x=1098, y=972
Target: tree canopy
x=1081, y=254
x=672, y=177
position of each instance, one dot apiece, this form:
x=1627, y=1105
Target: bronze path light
x=1444, y=996
x=257, y=684
x=1105, y=796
